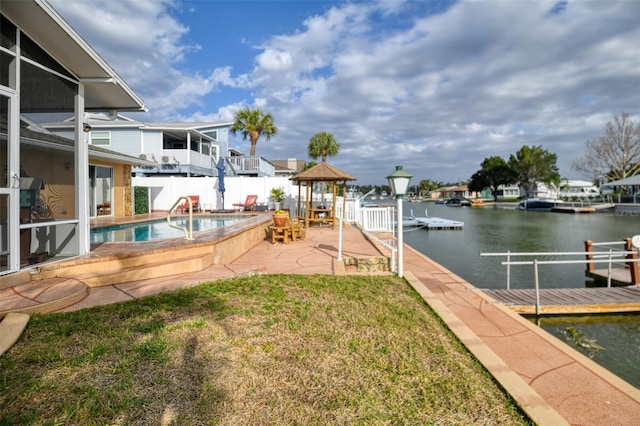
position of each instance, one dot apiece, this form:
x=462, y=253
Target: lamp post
x=399, y=182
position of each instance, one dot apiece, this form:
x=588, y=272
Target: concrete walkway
x=552, y=382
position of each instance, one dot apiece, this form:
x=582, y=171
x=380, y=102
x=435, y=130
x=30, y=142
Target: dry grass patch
x=262, y=350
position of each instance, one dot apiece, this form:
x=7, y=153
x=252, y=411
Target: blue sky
x=435, y=86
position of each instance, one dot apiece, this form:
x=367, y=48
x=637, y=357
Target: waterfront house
x=572, y=188
x=46, y=69
x=460, y=191
x=173, y=149
x=288, y=167
x=624, y=190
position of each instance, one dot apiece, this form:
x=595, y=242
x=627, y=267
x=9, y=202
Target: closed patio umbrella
x=220, y=167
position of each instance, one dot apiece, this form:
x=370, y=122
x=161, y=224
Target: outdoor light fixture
x=399, y=183
x=86, y=127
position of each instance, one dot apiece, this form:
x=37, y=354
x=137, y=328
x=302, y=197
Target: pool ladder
x=188, y=233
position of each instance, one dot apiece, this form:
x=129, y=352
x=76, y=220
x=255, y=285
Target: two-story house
x=177, y=149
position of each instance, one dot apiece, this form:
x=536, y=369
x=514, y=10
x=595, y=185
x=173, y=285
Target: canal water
x=501, y=229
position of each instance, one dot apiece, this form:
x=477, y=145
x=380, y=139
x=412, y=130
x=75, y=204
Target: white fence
x=164, y=191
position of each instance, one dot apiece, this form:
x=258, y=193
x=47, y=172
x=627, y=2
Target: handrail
x=188, y=234
x=606, y=257
x=552, y=253
x=608, y=243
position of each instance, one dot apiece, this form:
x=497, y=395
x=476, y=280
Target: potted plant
x=277, y=195
x=280, y=218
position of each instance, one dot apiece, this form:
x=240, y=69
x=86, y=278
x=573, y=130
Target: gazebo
x=323, y=172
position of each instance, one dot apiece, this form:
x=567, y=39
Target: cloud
x=436, y=87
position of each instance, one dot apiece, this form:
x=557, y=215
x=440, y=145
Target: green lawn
x=257, y=350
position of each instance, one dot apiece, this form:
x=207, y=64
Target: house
x=177, y=149
x=460, y=191
x=47, y=68
x=627, y=190
x=571, y=188
x=288, y=167
x=244, y=165
x=504, y=192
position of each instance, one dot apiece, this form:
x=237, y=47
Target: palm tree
x=323, y=144
x=254, y=123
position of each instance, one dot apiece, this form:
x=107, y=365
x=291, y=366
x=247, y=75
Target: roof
x=322, y=172
x=103, y=87
x=633, y=180
x=460, y=188
x=95, y=152
x=298, y=165
x=102, y=120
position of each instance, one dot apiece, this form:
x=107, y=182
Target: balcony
x=251, y=166
x=180, y=161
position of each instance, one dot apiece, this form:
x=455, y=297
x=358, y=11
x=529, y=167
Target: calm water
x=158, y=229
x=494, y=229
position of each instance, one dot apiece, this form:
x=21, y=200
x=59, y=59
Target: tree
x=323, y=144
x=494, y=172
x=254, y=123
x=427, y=185
x=532, y=165
x=309, y=164
x=616, y=154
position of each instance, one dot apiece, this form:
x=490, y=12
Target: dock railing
x=604, y=249
x=627, y=258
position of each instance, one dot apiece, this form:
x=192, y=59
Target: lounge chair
x=249, y=203
x=195, y=201
x=104, y=208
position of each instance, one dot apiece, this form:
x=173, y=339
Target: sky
x=434, y=86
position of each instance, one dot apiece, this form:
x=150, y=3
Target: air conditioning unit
x=148, y=157
x=169, y=159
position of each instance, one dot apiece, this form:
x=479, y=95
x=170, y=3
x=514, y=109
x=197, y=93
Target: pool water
x=158, y=229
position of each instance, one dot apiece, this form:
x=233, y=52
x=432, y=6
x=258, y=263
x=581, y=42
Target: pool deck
x=552, y=382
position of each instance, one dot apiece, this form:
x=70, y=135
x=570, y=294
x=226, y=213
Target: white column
x=400, y=242
x=82, y=174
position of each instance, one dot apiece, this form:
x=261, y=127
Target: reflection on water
x=158, y=229
x=619, y=335
x=493, y=229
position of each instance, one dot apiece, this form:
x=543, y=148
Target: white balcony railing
x=258, y=166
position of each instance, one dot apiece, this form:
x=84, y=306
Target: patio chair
x=249, y=203
x=195, y=201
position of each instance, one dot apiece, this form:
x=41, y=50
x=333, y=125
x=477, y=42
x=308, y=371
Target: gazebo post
x=307, y=211
x=299, y=197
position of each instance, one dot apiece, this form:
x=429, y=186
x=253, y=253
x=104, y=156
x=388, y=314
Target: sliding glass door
x=101, y=199
x=9, y=243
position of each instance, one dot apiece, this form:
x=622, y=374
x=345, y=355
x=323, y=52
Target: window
x=212, y=134
x=100, y=137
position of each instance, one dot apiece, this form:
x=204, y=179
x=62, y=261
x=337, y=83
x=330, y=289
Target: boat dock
x=562, y=301
x=629, y=274
x=621, y=294
x=432, y=223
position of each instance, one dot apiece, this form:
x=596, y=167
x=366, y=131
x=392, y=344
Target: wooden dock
x=570, y=300
x=572, y=209
x=619, y=276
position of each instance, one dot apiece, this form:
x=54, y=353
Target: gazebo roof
x=322, y=172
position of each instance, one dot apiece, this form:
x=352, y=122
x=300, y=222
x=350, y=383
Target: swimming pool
x=159, y=229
